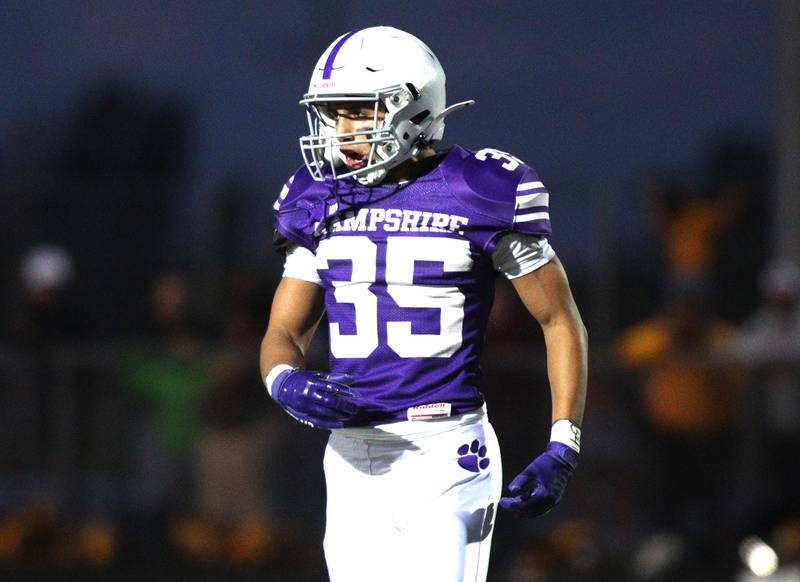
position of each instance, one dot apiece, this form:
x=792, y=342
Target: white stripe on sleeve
x=283, y=193
x=530, y=200
x=529, y=186
x=534, y=216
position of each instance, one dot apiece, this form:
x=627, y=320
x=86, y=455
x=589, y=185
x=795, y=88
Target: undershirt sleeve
x=300, y=264
x=518, y=254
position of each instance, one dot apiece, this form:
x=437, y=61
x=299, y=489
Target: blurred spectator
x=718, y=236
x=769, y=344
x=45, y=324
x=45, y=406
x=738, y=171
x=234, y=517
x=168, y=374
x=569, y=552
x=48, y=311
x=689, y=225
x=690, y=408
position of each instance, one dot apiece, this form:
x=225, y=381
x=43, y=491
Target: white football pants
x=413, y=500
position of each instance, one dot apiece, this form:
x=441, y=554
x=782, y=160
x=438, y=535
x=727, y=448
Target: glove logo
x=472, y=456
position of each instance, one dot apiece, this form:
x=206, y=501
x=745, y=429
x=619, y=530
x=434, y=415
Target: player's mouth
x=353, y=159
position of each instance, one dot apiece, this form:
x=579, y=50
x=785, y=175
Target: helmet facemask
x=393, y=139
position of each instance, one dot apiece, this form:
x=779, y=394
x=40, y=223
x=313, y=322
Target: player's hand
x=541, y=484
x=317, y=399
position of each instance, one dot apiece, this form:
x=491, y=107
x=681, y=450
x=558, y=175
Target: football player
x=400, y=244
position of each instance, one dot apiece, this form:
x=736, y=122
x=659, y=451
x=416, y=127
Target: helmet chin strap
x=375, y=175
x=372, y=178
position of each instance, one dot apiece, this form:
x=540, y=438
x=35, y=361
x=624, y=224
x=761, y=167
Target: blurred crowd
x=697, y=399
x=156, y=444
x=135, y=428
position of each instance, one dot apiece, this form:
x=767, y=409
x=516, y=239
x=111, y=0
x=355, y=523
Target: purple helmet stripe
x=326, y=72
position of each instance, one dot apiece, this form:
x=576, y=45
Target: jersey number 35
x=402, y=252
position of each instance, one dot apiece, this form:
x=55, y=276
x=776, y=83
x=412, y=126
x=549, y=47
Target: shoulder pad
x=501, y=186
x=296, y=211
x=293, y=189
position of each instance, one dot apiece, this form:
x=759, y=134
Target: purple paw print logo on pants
x=472, y=456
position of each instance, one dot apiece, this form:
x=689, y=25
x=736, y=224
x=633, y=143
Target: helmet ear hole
x=420, y=117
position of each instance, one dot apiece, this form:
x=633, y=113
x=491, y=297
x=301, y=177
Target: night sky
x=589, y=93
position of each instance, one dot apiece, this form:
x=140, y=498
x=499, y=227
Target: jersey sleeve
x=296, y=213
x=531, y=206
x=504, y=194
x=300, y=263
x=517, y=254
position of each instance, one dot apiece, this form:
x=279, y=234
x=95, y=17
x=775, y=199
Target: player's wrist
x=566, y=432
x=563, y=455
x=274, y=373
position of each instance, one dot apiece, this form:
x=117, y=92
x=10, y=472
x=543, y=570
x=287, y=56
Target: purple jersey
x=408, y=274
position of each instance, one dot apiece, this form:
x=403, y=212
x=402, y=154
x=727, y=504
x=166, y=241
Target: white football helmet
x=385, y=68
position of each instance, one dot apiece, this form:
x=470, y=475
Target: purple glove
x=541, y=484
x=318, y=399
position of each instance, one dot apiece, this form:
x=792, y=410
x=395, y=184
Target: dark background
x=148, y=143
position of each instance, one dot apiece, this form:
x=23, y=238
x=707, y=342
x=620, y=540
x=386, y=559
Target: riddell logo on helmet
x=324, y=85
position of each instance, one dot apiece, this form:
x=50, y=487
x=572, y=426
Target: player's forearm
x=567, y=367
x=278, y=347
x=297, y=309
